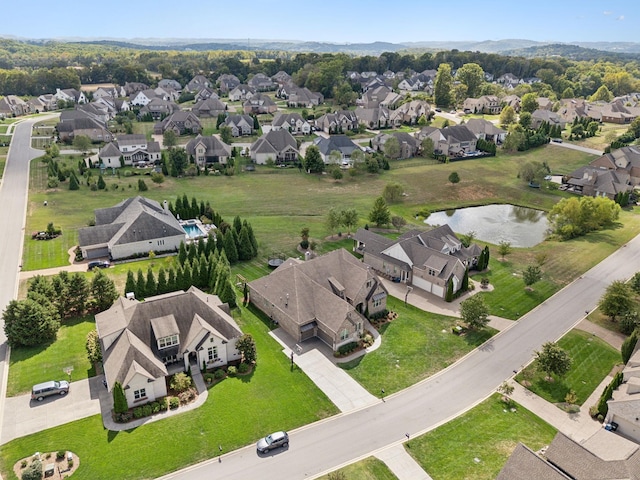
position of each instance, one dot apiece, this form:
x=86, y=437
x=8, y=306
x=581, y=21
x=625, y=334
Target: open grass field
x=414, y=346
x=32, y=365
x=599, y=141
x=234, y=415
x=488, y=432
x=592, y=360
x=368, y=469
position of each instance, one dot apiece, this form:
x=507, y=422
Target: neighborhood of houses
x=330, y=297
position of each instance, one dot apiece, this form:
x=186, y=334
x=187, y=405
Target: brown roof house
x=131, y=228
x=259, y=103
x=180, y=122
x=133, y=149
x=486, y=130
x=208, y=150
x=430, y=261
x=210, y=107
x=326, y=297
x=144, y=342
x=240, y=125
x=624, y=407
x=292, y=122
x=409, y=144
x=276, y=145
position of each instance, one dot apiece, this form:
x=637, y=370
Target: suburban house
x=409, y=145
x=281, y=78
x=241, y=93
x=197, y=83
x=208, y=150
x=409, y=113
x=292, y=122
x=159, y=109
x=327, y=297
x=170, y=83
x=336, y=143
x=484, y=129
x=211, y=107
x=111, y=91
x=545, y=103
x=144, y=342
x=131, y=88
x=300, y=96
x=13, y=106
x=70, y=95
x=78, y=122
x=509, y=81
x=276, y=145
x=134, y=149
x=143, y=97
x=180, y=122
x=379, y=117
x=457, y=140
x=603, y=456
x=133, y=227
x=240, y=125
x=227, y=82
x=487, y=104
x=608, y=175
x=381, y=96
x=259, y=103
x=512, y=101
x=205, y=93
x=433, y=261
x=625, y=404
x=261, y=83
x=337, y=122
x=538, y=117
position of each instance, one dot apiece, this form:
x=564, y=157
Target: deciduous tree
x=552, y=359
x=617, y=300
x=474, y=311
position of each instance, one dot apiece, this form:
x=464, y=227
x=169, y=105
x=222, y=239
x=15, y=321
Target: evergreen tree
x=151, y=286
x=252, y=238
x=380, y=214
x=130, y=284
x=486, y=257
x=162, y=282
x=182, y=251
x=101, y=183
x=226, y=292
x=192, y=251
x=187, y=278
x=449, y=295
x=201, y=246
x=237, y=224
x=140, y=285
x=78, y=293
x=30, y=322
x=245, y=249
x=172, y=286
x=443, y=85
x=213, y=276
x=73, y=183
x=103, y=291
x=230, y=246
x=60, y=284
x=465, y=281
x=203, y=275
x=119, y=400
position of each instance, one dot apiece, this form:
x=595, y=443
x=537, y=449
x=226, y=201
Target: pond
x=520, y=226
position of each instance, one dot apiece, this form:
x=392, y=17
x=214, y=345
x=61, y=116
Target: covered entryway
x=308, y=331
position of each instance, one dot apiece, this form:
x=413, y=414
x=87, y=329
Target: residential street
x=13, y=198
x=331, y=443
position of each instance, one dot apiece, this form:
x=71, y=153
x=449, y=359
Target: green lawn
x=235, y=414
x=592, y=361
x=31, y=365
x=488, y=432
x=414, y=346
x=368, y=469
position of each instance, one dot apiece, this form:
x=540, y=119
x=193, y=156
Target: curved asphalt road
x=326, y=445
x=13, y=202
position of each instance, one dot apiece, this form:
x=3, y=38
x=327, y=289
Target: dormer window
x=369, y=283
x=166, y=342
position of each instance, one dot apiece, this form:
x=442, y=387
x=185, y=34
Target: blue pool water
x=192, y=231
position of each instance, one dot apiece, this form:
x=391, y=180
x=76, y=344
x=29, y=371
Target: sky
x=345, y=21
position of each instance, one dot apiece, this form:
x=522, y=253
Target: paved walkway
x=402, y=464
x=614, y=339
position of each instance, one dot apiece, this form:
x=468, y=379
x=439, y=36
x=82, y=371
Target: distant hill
x=572, y=52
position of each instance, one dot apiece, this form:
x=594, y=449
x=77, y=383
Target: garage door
x=422, y=284
x=98, y=253
x=437, y=290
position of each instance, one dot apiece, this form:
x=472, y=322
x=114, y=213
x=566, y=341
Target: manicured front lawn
x=414, y=346
x=592, y=361
x=237, y=412
x=31, y=365
x=368, y=469
x=488, y=432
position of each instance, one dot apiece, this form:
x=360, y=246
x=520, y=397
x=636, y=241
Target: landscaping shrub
x=174, y=402
x=123, y=417
x=155, y=407
x=164, y=405
x=180, y=382
x=628, y=345
x=218, y=373
x=379, y=315
x=347, y=348
x=231, y=371
x=137, y=412
x=147, y=410
x=243, y=368
x=208, y=378
x=187, y=396
x=33, y=471
x=367, y=340
x=60, y=454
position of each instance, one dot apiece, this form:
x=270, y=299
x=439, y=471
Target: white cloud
x=607, y=12
x=620, y=18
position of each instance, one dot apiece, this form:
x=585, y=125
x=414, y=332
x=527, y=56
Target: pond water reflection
x=520, y=226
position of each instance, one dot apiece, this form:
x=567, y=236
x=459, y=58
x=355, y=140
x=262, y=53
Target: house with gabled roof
x=379, y=117
x=292, y=122
x=205, y=93
x=240, y=125
x=159, y=109
x=278, y=146
x=261, y=83
x=409, y=144
x=170, y=83
x=303, y=97
x=335, y=143
x=227, y=82
x=326, y=297
x=258, y=104
x=133, y=149
x=410, y=112
x=211, y=107
x=197, y=83
x=457, y=140
x=241, y=93
x=432, y=261
x=13, y=106
x=538, y=117
x=281, y=78
x=487, y=104
x=131, y=228
x=144, y=342
x=208, y=150
x=131, y=88
x=180, y=123
x=484, y=129
x=80, y=122
x=337, y=122
x=70, y=95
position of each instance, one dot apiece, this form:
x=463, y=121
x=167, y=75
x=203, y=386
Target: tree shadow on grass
x=351, y=364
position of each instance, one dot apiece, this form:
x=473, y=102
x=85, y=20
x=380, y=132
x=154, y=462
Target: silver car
x=46, y=389
x=275, y=440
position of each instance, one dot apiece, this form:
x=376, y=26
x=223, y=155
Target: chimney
x=165, y=206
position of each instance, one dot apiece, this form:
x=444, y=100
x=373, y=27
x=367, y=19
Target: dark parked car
x=275, y=440
x=100, y=264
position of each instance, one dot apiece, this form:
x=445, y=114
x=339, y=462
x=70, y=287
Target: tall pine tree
x=230, y=246
x=130, y=284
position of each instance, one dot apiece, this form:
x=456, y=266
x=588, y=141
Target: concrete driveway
x=30, y=416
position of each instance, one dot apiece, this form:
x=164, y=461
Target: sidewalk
x=402, y=464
